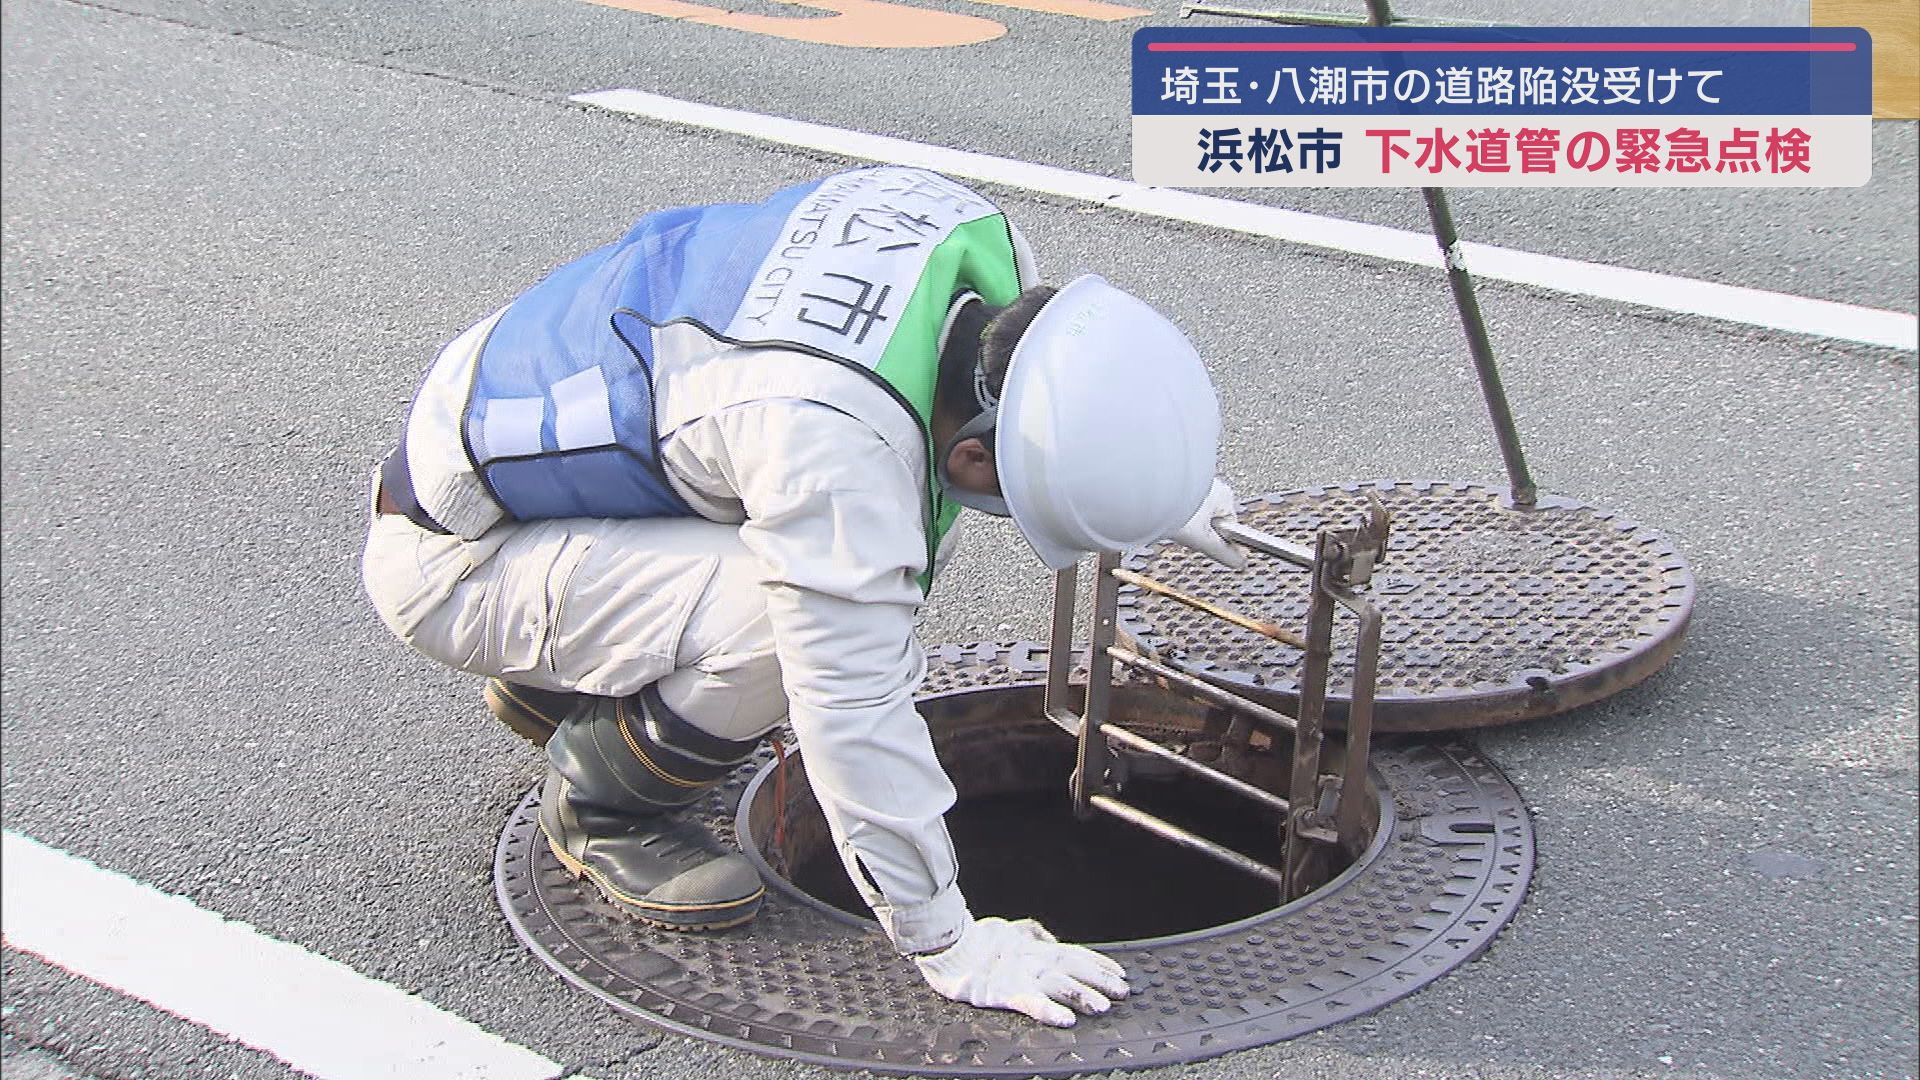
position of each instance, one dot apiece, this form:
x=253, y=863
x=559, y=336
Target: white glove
x=1200, y=532
x=998, y=964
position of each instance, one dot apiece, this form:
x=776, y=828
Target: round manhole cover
x=1445, y=869
x=1493, y=614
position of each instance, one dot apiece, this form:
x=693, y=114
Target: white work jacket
x=825, y=475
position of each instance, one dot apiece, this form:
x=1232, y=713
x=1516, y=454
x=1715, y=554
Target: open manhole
x=1493, y=613
x=1022, y=852
x=1215, y=963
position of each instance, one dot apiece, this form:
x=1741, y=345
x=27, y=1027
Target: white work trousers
x=807, y=547
x=592, y=605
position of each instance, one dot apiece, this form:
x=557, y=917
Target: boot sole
x=720, y=916
x=521, y=718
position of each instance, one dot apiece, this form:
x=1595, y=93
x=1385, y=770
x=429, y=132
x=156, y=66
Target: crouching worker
x=698, y=482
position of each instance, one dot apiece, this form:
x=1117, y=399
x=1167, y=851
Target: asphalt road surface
x=234, y=233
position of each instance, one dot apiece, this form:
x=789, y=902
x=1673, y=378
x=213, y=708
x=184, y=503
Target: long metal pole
x=1519, y=480
x=1468, y=302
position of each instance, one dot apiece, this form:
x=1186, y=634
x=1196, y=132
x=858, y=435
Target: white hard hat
x=1108, y=425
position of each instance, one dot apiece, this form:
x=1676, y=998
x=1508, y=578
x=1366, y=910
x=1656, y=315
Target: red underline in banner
x=1502, y=46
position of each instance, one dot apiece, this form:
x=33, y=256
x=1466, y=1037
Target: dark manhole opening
x=1447, y=866
x=1022, y=852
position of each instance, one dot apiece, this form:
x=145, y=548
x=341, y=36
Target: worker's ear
x=970, y=466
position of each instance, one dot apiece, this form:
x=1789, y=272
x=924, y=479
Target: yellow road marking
x=1895, y=27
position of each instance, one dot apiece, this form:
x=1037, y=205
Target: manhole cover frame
x=1197, y=995
x=1619, y=663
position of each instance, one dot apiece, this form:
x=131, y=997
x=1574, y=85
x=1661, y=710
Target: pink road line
x=1501, y=46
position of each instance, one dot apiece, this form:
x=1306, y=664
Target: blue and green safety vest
x=859, y=268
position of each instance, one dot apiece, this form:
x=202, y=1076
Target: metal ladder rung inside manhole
x=1317, y=808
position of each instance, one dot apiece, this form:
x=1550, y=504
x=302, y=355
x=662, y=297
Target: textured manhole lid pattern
x=1492, y=614
x=1449, y=870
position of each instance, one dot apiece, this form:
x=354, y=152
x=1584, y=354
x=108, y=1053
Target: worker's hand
x=1201, y=532
x=998, y=964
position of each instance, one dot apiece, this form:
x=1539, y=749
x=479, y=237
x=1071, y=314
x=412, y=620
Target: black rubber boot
x=533, y=714
x=620, y=771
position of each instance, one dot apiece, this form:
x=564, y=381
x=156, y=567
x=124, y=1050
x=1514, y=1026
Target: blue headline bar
x=1533, y=71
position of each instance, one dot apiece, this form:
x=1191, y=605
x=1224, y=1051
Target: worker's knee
x=605, y=608
x=410, y=574
x=731, y=695
x=727, y=673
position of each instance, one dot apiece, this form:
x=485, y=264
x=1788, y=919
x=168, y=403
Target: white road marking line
x=1664, y=292
x=317, y=1015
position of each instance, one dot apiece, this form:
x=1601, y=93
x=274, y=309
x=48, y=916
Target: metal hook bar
x=1366, y=661
x=1066, y=589
x=1202, y=689
x=1304, y=786
x=1266, y=543
x=1180, y=836
x=1096, y=757
x=1213, y=776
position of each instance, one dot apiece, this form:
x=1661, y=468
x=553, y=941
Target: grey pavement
x=234, y=236
x=1054, y=90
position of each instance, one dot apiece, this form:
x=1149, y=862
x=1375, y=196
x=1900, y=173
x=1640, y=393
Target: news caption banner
x=1503, y=107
